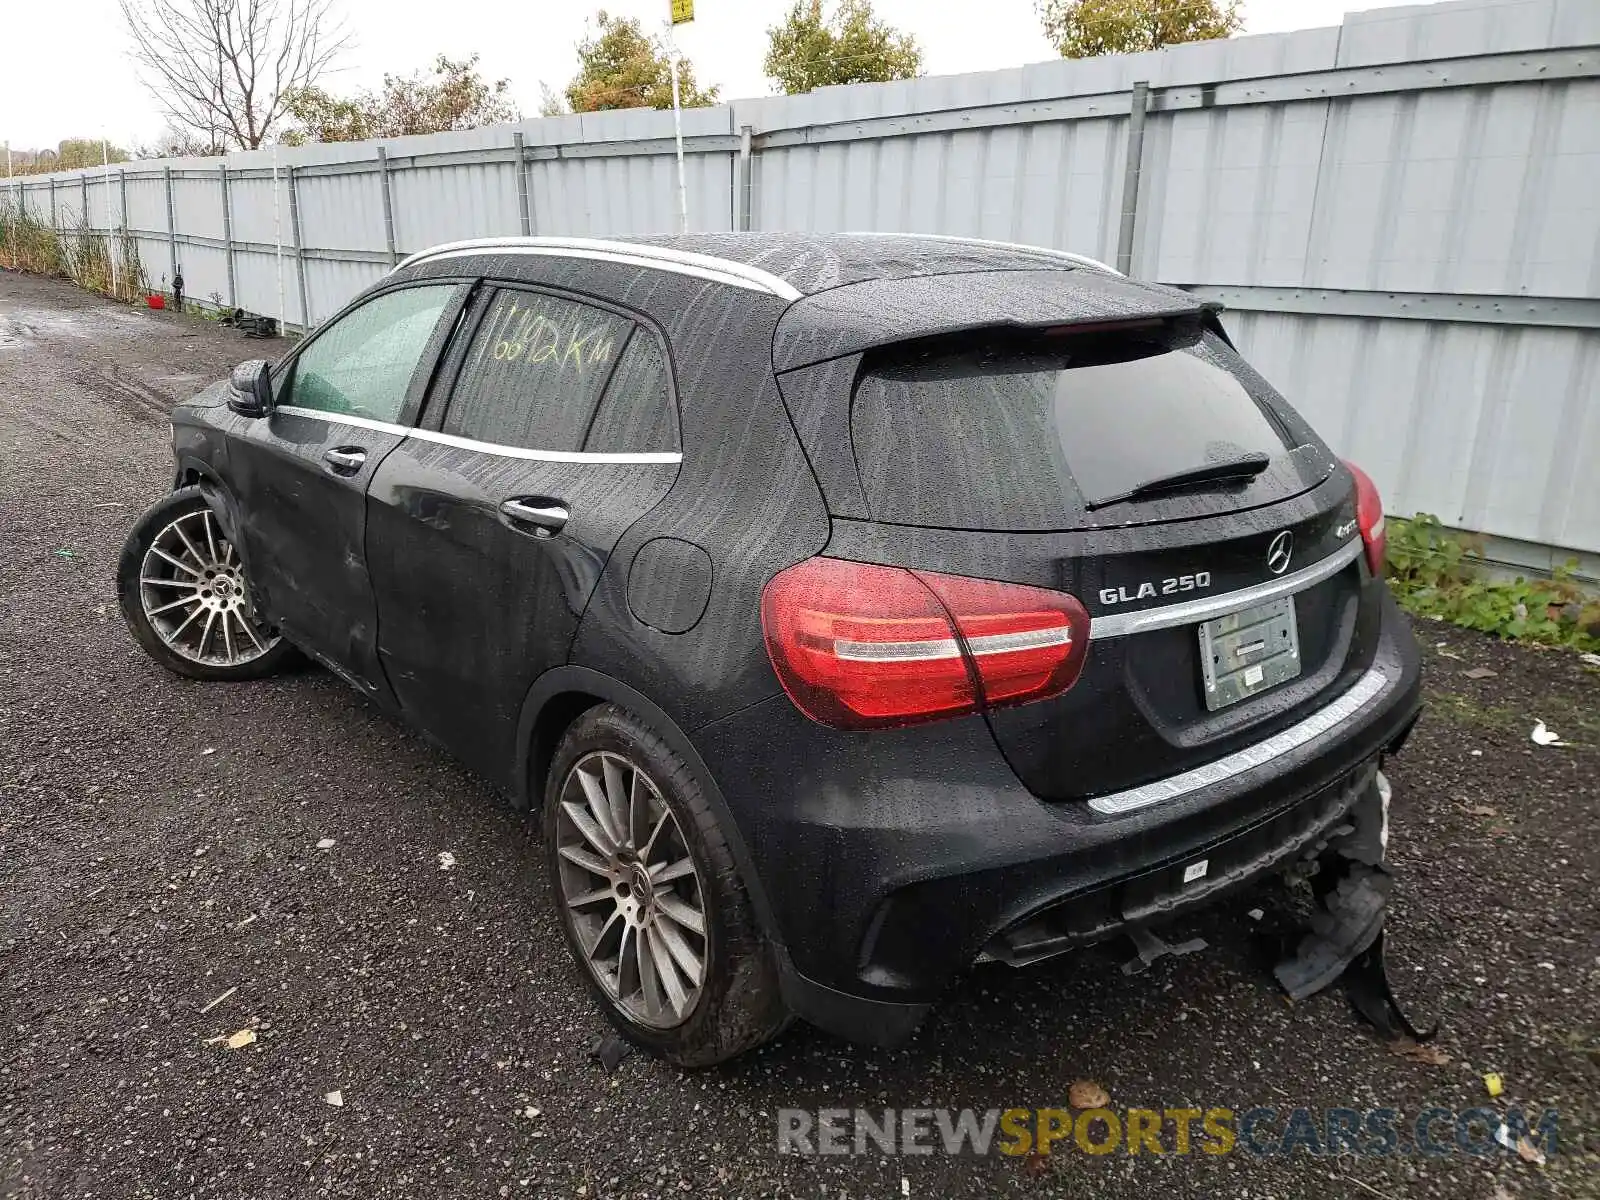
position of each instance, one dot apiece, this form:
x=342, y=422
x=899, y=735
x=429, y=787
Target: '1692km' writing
x=536, y=339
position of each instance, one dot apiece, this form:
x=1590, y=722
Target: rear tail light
x=859, y=646
x=1369, y=518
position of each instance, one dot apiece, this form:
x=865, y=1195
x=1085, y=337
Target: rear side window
x=1023, y=433
x=535, y=372
x=637, y=414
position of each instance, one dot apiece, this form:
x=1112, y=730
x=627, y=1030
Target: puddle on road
x=22, y=326
x=14, y=332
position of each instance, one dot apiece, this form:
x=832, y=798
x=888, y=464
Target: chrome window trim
x=662, y=258
x=1192, y=612
x=1355, y=698
x=461, y=443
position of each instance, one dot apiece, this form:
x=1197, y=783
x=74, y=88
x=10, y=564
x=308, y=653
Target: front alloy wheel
x=184, y=593
x=631, y=890
x=193, y=590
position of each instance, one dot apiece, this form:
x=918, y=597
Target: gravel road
x=159, y=851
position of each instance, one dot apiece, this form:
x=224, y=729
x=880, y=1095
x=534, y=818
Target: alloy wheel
x=196, y=597
x=631, y=890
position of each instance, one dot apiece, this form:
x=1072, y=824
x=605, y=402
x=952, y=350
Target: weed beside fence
x=1435, y=572
x=81, y=254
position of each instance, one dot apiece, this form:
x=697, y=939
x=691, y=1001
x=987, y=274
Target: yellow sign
x=682, y=11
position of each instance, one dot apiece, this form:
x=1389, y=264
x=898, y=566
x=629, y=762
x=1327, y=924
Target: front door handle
x=547, y=517
x=346, y=460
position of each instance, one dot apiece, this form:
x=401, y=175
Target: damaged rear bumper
x=1163, y=893
x=1000, y=875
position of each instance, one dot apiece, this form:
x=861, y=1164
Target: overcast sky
x=66, y=71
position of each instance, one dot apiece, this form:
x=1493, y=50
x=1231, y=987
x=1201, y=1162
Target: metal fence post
x=83, y=217
x=299, y=251
x=54, y=224
x=1130, y=175
x=524, y=213
x=172, y=225
x=122, y=219
x=227, y=238
x=742, y=182
x=388, y=206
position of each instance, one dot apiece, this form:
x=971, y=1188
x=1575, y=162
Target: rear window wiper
x=1246, y=466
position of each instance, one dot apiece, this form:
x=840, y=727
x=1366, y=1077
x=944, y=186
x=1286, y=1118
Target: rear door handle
x=346, y=460
x=547, y=517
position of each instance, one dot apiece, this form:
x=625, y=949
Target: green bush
x=1435, y=572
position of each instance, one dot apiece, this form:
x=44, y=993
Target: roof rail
x=1081, y=260
x=663, y=258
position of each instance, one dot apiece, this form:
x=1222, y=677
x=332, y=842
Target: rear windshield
x=1025, y=433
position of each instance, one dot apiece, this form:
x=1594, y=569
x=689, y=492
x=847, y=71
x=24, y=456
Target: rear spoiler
x=880, y=312
x=1201, y=319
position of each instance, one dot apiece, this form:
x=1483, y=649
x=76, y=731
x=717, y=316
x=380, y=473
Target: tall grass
x=82, y=255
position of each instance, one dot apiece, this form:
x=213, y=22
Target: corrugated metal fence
x=1403, y=213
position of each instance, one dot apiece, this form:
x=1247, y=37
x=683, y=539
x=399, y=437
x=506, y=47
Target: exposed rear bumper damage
x=1340, y=834
x=1344, y=937
x=1154, y=897
x=1352, y=886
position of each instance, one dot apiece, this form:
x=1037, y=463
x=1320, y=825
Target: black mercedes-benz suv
x=854, y=608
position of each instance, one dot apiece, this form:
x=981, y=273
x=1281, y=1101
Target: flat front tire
x=183, y=591
x=651, y=901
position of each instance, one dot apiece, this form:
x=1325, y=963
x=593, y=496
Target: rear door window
x=535, y=371
x=1023, y=433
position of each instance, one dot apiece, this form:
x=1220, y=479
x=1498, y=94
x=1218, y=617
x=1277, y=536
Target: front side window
x=535, y=371
x=362, y=364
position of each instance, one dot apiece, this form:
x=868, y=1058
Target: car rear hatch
x=1133, y=460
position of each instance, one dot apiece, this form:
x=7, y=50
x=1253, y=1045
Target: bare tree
x=224, y=69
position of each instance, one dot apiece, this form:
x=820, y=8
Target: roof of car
x=790, y=265
x=859, y=290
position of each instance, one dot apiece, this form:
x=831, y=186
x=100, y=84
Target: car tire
x=639, y=891
x=183, y=592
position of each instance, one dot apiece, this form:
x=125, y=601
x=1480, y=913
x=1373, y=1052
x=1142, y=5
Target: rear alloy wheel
x=631, y=890
x=651, y=900
x=184, y=593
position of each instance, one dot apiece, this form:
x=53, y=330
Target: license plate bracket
x=1244, y=653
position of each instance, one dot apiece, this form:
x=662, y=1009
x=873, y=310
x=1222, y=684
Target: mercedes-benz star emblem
x=1279, y=552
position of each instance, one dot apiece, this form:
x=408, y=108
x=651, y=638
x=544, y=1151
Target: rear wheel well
x=555, y=718
x=187, y=478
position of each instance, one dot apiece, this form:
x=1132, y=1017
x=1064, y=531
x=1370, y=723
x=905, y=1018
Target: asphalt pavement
x=187, y=868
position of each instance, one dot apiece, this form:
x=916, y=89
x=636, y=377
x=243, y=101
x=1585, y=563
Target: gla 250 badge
x=1150, y=589
x=1279, y=552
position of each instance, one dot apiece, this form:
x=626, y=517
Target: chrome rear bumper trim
x=1359, y=695
x=1191, y=612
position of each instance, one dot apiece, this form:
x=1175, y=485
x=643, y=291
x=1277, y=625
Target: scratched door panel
x=305, y=525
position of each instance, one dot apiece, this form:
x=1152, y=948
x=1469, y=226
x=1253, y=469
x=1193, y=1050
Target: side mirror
x=252, y=388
